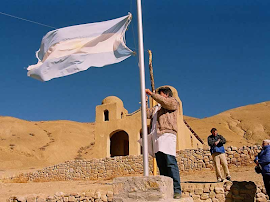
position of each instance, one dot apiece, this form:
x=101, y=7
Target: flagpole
x=142, y=79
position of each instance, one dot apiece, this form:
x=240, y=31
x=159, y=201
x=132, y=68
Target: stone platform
x=152, y=188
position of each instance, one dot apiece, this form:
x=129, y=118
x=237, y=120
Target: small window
x=106, y=115
x=122, y=115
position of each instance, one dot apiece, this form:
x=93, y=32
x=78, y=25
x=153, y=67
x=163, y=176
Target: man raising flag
x=164, y=130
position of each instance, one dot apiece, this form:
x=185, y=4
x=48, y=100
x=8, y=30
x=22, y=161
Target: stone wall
x=225, y=192
x=96, y=196
x=109, y=168
x=200, y=192
x=190, y=160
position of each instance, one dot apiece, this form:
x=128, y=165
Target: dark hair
x=213, y=130
x=165, y=90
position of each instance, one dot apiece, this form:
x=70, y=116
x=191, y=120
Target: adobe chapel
x=117, y=132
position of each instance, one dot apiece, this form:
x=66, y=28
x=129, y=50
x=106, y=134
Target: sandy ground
x=50, y=188
x=238, y=174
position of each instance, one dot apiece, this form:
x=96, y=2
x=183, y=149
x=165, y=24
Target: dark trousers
x=266, y=180
x=167, y=166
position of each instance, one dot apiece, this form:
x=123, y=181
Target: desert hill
x=245, y=125
x=27, y=144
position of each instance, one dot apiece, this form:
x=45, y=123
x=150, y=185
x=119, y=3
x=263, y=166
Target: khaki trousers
x=218, y=159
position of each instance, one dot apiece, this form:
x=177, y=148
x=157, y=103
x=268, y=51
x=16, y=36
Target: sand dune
x=247, y=125
x=28, y=145
x=25, y=144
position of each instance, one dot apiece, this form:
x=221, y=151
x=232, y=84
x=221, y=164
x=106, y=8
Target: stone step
x=141, y=189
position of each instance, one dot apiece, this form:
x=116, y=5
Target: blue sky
x=215, y=53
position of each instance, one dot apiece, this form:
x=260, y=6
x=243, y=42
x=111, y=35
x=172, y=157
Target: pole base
x=141, y=188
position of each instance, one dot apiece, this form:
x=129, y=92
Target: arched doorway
x=119, y=144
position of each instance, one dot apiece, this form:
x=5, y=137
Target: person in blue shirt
x=263, y=160
x=216, y=141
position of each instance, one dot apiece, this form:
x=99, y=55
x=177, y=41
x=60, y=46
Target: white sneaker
x=219, y=180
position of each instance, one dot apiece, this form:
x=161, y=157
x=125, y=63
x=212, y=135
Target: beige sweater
x=166, y=116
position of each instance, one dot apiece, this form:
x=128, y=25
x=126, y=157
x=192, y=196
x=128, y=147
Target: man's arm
x=256, y=160
x=264, y=157
x=169, y=103
x=222, y=139
x=211, y=142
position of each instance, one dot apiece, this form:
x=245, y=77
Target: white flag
x=73, y=49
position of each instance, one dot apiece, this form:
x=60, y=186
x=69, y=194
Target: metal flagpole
x=142, y=79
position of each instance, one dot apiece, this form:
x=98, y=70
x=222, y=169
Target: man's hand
x=148, y=92
x=217, y=142
x=146, y=98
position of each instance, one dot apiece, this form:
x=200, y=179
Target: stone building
x=117, y=132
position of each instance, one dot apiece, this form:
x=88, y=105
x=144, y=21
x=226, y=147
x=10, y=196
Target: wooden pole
x=151, y=71
x=153, y=101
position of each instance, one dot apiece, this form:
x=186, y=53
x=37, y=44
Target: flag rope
x=13, y=16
